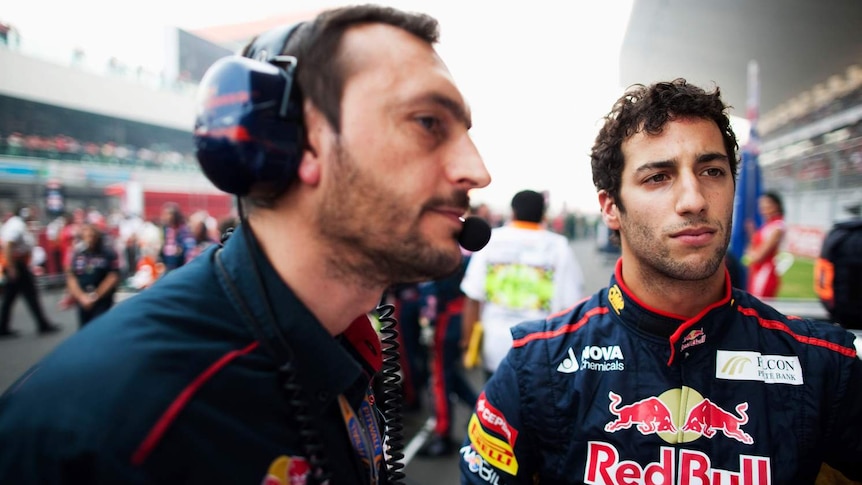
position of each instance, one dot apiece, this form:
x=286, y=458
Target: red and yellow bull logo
x=679, y=420
x=287, y=470
x=695, y=337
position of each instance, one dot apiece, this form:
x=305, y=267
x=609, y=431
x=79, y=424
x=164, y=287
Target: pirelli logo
x=494, y=450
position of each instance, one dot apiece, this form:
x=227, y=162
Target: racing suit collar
x=683, y=334
x=326, y=367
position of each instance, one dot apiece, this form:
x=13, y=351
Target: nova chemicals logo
x=593, y=357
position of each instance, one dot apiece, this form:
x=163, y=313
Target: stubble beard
x=360, y=223
x=656, y=258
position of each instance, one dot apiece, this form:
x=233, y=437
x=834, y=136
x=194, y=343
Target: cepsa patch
x=286, y=470
x=492, y=420
x=495, y=451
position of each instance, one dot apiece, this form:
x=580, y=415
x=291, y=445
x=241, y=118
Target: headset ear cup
x=243, y=136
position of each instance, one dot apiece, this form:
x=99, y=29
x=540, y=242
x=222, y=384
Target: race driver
x=669, y=375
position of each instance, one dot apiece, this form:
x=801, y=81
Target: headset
x=248, y=125
x=249, y=131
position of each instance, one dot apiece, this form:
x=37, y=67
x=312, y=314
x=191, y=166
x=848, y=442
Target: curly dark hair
x=648, y=109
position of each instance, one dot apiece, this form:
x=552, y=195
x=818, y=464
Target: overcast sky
x=538, y=75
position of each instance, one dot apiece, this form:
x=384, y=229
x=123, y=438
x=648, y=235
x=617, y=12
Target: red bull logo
x=684, y=467
x=287, y=470
x=708, y=419
x=676, y=421
x=695, y=337
x=649, y=415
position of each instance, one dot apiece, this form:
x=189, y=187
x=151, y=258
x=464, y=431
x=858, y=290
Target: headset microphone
x=475, y=234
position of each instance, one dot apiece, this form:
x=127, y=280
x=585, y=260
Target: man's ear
x=316, y=132
x=610, y=211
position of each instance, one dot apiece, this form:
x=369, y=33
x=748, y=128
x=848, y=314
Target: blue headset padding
x=248, y=126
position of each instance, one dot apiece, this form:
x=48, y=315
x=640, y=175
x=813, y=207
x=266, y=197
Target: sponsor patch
x=679, y=415
x=495, y=451
x=287, y=470
x=492, y=420
x=478, y=466
x=695, y=337
x=754, y=366
x=595, y=358
x=605, y=467
x=615, y=298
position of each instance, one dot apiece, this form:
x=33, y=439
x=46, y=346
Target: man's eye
x=430, y=123
x=714, y=172
x=659, y=177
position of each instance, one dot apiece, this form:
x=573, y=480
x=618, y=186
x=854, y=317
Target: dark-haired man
x=669, y=375
x=253, y=362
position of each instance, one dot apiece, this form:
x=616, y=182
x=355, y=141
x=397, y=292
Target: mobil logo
x=679, y=415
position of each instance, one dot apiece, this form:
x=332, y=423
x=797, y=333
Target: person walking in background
x=763, y=279
x=92, y=275
x=669, y=374
x=18, y=243
x=407, y=299
x=201, y=227
x=177, y=238
x=443, y=308
x=525, y=272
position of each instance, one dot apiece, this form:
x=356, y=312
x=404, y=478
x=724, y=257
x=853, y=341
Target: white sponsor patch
x=595, y=358
x=754, y=366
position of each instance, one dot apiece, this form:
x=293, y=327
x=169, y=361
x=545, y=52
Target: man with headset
x=252, y=364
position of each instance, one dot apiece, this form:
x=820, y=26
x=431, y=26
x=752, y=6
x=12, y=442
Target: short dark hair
x=775, y=197
x=528, y=206
x=322, y=69
x=648, y=109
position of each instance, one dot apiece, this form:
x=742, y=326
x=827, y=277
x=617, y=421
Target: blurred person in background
x=201, y=226
x=92, y=275
x=526, y=271
x=669, y=375
x=253, y=363
x=18, y=243
x=177, y=238
x=764, y=243
x=444, y=304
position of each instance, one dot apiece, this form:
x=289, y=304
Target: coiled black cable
x=312, y=444
x=392, y=395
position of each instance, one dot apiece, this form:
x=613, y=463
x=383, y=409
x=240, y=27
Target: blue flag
x=748, y=177
x=748, y=191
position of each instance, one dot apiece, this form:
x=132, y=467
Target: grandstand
x=84, y=132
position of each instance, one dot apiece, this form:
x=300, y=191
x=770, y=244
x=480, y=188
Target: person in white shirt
x=18, y=243
x=525, y=272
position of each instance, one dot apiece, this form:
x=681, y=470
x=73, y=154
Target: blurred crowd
x=146, y=250
x=67, y=148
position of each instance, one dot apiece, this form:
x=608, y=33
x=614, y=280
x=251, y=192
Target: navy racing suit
x=738, y=394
